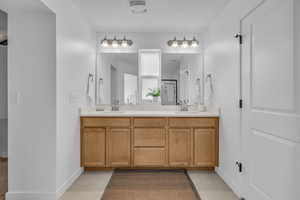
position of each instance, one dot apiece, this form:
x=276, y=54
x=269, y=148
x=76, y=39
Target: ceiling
x=25, y=6
x=162, y=16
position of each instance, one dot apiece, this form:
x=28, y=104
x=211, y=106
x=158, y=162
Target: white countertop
x=131, y=113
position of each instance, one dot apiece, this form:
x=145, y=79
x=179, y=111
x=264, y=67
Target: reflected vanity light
x=194, y=43
x=116, y=43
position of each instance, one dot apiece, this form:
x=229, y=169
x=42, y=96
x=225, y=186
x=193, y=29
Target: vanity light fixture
x=104, y=42
x=175, y=43
x=124, y=43
x=183, y=43
x=116, y=43
x=194, y=43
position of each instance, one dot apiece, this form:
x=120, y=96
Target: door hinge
x=241, y=103
x=240, y=166
x=240, y=37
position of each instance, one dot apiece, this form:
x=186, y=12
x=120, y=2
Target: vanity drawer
x=193, y=122
x=150, y=122
x=149, y=157
x=149, y=137
x=106, y=122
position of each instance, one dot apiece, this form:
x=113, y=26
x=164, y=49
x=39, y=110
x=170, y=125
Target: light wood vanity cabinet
x=118, y=145
x=180, y=149
x=93, y=147
x=203, y=141
x=149, y=142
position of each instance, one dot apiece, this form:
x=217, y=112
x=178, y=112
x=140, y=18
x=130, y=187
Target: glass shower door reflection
x=169, y=92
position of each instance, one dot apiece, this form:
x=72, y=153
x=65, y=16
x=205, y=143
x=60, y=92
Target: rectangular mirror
x=149, y=77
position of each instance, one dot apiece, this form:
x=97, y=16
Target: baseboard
x=228, y=181
x=62, y=189
x=44, y=196
x=30, y=196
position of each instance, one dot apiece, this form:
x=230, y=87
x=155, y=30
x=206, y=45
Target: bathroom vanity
x=154, y=136
x=144, y=139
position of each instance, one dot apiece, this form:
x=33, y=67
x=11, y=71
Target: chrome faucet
x=184, y=105
x=115, y=106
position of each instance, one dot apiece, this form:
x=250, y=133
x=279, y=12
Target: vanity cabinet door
x=205, y=147
x=119, y=147
x=93, y=154
x=179, y=147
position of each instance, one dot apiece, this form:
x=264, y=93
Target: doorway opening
x=3, y=105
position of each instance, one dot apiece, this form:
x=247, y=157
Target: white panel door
x=270, y=118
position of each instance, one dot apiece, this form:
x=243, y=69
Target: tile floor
x=91, y=185
x=210, y=186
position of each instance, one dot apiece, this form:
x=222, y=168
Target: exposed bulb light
x=194, y=43
x=175, y=43
x=115, y=43
x=185, y=43
x=104, y=42
x=124, y=43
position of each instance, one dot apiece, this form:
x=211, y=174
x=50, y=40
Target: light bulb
x=175, y=43
x=124, y=43
x=195, y=43
x=114, y=43
x=185, y=43
x=104, y=43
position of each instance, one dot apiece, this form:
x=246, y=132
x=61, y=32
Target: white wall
x=49, y=62
x=297, y=50
x=3, y=89
x=32, y=102
x=188, y=84
x=76, y=52
x=297, y=75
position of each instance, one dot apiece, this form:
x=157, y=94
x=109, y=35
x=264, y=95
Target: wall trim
x=229, y=181
x=30, y=196
x=66, y=185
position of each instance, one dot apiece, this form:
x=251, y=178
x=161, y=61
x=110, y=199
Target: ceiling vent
x=138, y=6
